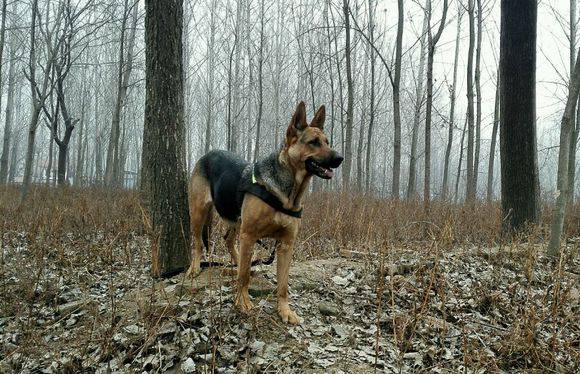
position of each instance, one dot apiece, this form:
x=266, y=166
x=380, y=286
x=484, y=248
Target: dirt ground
x=388, y=310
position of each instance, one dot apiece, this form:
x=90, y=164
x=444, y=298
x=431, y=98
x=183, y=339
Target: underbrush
x=66, y=244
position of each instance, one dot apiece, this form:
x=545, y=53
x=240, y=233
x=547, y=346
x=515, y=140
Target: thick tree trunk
x=519, y=164
x=563, y=162
x=349, y=106
x=7, y=129
x=453, y=90
x=164, y=180
x=491, y=164
x=397, y=102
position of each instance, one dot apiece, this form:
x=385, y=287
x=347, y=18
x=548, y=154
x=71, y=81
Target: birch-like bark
x=563, y=155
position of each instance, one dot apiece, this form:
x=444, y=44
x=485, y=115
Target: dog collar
x=269, y=198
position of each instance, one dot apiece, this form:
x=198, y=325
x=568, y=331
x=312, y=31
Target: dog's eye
x=315, y=142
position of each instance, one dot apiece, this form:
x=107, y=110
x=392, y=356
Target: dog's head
x=307, y=146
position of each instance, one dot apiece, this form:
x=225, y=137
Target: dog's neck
x=286, y=181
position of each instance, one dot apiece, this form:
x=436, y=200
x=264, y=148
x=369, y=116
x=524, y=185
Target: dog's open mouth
x=318, y=169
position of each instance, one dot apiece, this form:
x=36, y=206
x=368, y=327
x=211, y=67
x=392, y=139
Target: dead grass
x=82, y=235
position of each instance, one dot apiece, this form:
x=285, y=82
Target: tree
x=349, y=103
x=575, y=122
x=452, y=95
x=477, y=80
x=563, y=161
x=125, y=65
x=470, y=185
x=164, y=180
x=490, y=166
x=419, y=98
x=519, y=165
x=10, y=99
x=432, y=42
x=397, y=102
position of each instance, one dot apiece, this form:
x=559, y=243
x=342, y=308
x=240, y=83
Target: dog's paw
x=243, y=302
x=193, y=270
x=289, y=316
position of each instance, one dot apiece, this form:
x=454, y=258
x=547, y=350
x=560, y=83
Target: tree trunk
x=419, y=96
x=563, y=162
x=349, y=106
x=164, y=179
x=575, y=120
x=478, y=99
x=470, y=186
x=368, y=179
x=461, y=149
x=260, y=84
x=112, y=170
x=397, y=103
x=519, y=164
x=9, y=111
x=35, y=111
x=210, y=76
x=433, y=39
x=490, y=167
x=453, y=91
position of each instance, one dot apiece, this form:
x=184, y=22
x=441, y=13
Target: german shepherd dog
x=223, y=180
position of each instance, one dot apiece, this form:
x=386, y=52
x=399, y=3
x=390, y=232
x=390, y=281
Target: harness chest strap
x=269, y=198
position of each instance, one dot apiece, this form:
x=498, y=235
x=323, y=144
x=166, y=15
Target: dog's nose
x=336, y=160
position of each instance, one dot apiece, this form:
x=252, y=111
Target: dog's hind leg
x=230, y=238
x=206, y=231
x=200, y=205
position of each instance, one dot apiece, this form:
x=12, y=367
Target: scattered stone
x=261, y=288
x=188, y=366
x=328, y=309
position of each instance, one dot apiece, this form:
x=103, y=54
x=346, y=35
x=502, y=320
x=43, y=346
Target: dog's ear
x=298, y=121
x=319, y=117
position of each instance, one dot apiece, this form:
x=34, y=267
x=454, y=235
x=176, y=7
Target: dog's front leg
x=284, y=254
x=244, y=266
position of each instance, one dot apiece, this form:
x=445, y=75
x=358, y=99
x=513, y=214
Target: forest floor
x=85, y=301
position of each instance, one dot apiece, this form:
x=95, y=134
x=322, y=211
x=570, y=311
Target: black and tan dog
x=260, y=200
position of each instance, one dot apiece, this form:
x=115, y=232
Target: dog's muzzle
x=323, y=168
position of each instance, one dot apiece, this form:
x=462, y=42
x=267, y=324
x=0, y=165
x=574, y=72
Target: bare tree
x=575, y=119
x=470, y=186
x=490, y=166
x=519, y=165
x=397, y=101
x=112, y=170
x=349, y=106
x=452, y=97
x=563, y=161
x=164, y=181
x=10, y=98
x=419, y=98
x=39, y=92
x=432, y=42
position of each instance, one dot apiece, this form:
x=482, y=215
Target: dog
x=260, y=200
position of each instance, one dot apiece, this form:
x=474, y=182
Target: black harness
x=269, y=198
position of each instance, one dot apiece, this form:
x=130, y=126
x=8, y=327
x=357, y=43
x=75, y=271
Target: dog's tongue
x=329, y=173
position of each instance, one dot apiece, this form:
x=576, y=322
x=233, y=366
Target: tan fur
x=258, y=219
